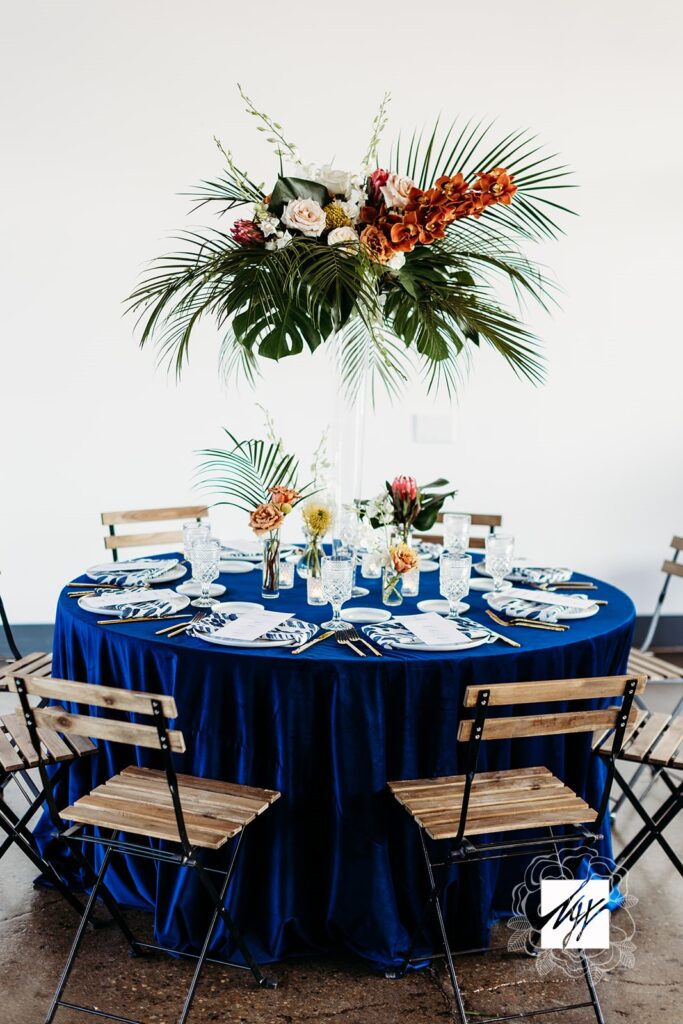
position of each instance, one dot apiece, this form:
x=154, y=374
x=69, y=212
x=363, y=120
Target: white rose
x=396, y=191
x=397, y=261
x=338, y=183
x=352, y=205
x=269, y=225
x=304, y=215
x=279, y=241
x=342, y=235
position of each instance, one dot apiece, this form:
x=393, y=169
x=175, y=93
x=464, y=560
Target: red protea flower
x=404, y=487
x=375, y=182
x=247, y=232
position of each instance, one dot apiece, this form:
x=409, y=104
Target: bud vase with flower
x=266, y=520
x=401, y=560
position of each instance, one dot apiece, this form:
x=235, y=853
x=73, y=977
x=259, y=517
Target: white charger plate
x=237, y=606
x=366, y=615
x=441, y=607
x=496, y=600
x=194, y=589
x=236, y=566
x=176, y=573
x=178, y=601
x=426, y=565
x=478, y=642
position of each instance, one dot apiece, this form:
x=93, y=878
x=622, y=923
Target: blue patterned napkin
x=515, y=607
x=392, y=633
x=539, y=574
x=295, y=630
x=122, y=610
x=135, y=571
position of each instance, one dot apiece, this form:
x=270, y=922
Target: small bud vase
x=270, y=583
x=392, y=586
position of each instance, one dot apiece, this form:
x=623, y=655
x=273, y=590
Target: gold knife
x=310, y=643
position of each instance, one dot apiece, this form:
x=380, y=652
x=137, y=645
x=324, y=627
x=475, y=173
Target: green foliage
x=287, y=189
x=246, y=472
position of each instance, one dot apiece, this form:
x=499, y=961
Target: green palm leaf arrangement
x=396, y=265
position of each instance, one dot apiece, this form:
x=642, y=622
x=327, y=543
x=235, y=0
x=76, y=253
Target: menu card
x=252, y=624
x=432, y=628
x=545, y=597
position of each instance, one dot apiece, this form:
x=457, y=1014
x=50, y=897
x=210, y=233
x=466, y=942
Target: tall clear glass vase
x=270, y=583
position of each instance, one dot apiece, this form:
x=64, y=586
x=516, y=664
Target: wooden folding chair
x=653, y=740
x=463, y=810
x=476, y=542
x=191, y=814
x=113, y=541
x=643, y=660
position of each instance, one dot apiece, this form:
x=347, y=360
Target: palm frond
x=370, y=353
x=245, y=472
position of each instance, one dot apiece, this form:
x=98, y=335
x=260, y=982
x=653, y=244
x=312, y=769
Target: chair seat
x=519, y=798
x=654, y=738
x=644, y=663
x=138, y=801
x=17, y=753
x=37, y=664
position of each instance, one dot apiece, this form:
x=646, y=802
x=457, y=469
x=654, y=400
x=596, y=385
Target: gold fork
x=556, y=628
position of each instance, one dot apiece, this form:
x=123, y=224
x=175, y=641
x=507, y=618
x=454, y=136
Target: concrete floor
x=36, y=929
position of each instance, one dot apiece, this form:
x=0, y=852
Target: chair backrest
x=489, y=521
x=510, y=695
x=157, y=736
x=113, y=541
x=671, y=567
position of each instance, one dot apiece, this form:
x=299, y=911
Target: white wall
x=108, y=111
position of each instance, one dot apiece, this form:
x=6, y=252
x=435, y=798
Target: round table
x=335, y=864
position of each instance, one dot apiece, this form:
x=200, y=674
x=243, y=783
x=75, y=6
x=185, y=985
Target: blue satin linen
x=335, y=863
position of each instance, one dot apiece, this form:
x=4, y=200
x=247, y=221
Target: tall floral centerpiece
x=397, y=259
x=259, y=479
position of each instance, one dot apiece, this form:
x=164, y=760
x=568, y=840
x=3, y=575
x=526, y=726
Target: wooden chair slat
x=525, y=819
x=56, y=747
x=551, y=800
x=38, y=663
x=93, y=694
x=589, y=688
x=103, y=799
x=106, y=729
x=519, y=726
x=673, y=568
x=478, y=518
x=154, y=515
x=81, y=745
x=16, y=729
x=138, y=540
x=482, y=780
x=645, y=738
x=192, y=799
x=139, y=825
x=504, y=797
x=677, y=543
x=208, y=785
x=668, y=748
x=653, y=667
x=10, y=760
x=603, y=740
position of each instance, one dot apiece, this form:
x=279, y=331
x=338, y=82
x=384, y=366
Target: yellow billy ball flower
x=335, y=216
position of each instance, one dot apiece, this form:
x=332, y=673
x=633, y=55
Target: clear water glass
x=337, y=584
x=454, y=579
x=205, y=556
x=456, y=532
x=193, y=531
x=500, y=550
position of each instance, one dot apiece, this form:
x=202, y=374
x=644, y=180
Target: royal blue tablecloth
x=335, y=864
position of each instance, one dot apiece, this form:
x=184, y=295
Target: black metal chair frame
x=186, y=857
x=16, y=827
x=464, y=851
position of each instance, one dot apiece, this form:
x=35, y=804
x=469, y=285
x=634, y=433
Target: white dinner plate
x=359, y=592
x=236, y=566
x=176, y=573
x=193, y=589
x=237, y=606
x=485, y=583
x=178, y=602
x=428, y=566
x=496, y=601
x=366, y=614
x=441, y=607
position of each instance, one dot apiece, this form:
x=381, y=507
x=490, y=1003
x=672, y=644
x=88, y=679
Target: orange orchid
x=495, y=186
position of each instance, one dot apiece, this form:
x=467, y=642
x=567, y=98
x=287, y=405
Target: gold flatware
x=550, y=587
x=171, y=630
x=529, y=623
x=140, y=618
x=352, y=634
x=347, y=643
x=311, y=643
x=505, y=639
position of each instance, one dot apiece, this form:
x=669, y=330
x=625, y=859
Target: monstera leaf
x=287, y=189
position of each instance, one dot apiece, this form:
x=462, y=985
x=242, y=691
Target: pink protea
x=404, y=488
x=247, y=232
x=378, y=178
